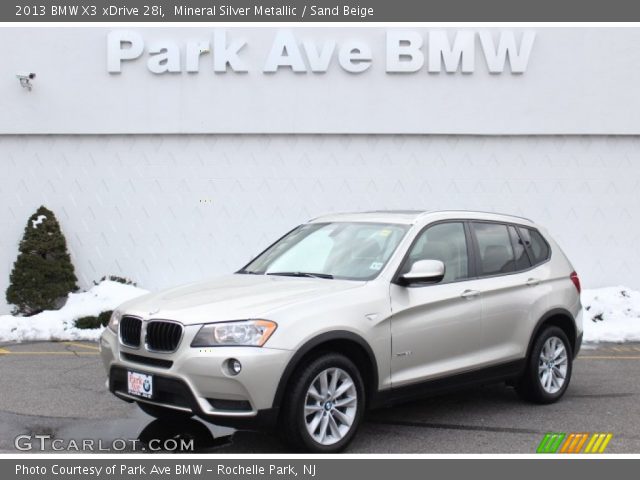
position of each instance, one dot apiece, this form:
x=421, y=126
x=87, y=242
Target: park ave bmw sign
x=406, y=51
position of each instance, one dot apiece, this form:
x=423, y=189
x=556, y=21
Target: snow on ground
x=611, y=314
x=59, y=324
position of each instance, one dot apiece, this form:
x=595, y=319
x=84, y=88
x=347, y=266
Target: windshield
x=351, y=251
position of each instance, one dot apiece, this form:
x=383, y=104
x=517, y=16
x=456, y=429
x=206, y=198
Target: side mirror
x=424, y=271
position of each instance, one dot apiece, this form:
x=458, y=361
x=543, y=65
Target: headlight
x=114, y=321
x=247, y=332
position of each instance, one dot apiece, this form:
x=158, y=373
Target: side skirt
x=460, y=381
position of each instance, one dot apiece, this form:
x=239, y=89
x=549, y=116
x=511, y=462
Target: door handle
x=532, y=282
x=469, y=294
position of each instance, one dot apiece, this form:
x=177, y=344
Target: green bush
x=101, y=320
x=43, y=274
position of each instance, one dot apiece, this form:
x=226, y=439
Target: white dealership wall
x=175, y=177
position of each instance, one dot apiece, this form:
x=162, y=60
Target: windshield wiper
x=302, y=274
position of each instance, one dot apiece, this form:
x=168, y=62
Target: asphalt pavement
x=56, y=390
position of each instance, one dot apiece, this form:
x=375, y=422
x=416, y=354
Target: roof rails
x=478, y=211
x=421, y=213
x=400, y=211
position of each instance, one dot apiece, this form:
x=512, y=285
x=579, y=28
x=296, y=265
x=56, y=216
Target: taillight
x=576, y=281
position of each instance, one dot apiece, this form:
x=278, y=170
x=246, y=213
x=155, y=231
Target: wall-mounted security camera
x=25, y=80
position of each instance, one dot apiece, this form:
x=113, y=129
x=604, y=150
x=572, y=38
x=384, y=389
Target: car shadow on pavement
x=434, y=413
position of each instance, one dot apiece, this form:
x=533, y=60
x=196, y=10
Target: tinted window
x=445, y=242
x=522, y=259
x=495, y=249
x=536, y=245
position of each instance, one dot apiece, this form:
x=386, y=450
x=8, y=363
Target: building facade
x=172, y=154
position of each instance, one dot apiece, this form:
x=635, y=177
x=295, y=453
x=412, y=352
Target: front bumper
x=196, y=379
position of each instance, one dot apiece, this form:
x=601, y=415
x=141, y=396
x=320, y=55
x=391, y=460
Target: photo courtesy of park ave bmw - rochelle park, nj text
x=307, y=236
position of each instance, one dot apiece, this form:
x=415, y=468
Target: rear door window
x=495, y=250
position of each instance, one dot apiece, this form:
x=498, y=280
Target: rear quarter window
x=536, y=245
x=522, y=257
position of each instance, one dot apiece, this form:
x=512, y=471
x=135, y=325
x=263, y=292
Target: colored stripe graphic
x=607, y=439
x=554, y=442
x=598, y=443
x=568, y=444
x=581, y=443
x=590, y=444
x=550, y=443
x=543, y=443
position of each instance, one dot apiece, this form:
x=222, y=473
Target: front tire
x=324, y=405
x=549, y=368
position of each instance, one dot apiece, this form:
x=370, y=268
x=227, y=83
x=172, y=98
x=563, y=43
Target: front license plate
x=140, y=384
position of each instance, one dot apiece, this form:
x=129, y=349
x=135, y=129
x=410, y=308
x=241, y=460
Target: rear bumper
x=577, y=346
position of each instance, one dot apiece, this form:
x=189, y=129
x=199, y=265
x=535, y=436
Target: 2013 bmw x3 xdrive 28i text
x=349, y=312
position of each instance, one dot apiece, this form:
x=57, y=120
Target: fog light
x=235, y=367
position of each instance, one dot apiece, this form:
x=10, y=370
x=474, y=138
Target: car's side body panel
x=435, y=331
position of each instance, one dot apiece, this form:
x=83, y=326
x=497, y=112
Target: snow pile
x=611, y=314
x=38, y=221
x=59, y=324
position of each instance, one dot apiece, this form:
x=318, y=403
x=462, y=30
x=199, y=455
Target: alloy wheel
x=552, y=365
x=331, y=405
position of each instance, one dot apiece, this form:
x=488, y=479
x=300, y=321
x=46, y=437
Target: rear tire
x=163, y=413
x=324, y=405
x=548, y=369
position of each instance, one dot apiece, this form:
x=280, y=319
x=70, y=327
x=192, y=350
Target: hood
x=233, y=297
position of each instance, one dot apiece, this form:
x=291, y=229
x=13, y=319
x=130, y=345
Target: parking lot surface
x=57, y=390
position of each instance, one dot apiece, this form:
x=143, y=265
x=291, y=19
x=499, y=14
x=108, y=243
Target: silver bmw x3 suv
x=349, y=312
